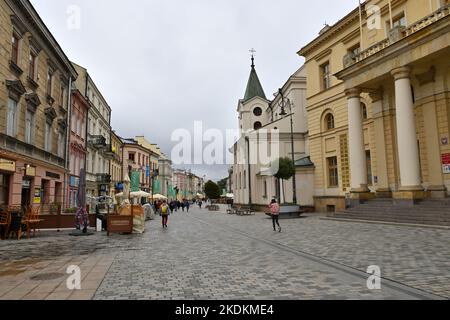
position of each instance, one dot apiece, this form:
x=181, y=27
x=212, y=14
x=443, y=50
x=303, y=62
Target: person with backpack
x=164, y=213
x=275, y=213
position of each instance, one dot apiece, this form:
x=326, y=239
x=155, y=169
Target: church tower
x=253, y=109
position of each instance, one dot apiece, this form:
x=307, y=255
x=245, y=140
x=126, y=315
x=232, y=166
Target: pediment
x=16, y=87
x=33, y=99
x=50, y=113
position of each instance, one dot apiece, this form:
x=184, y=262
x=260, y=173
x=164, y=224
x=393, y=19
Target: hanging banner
x=135, y=177
x=156, y=187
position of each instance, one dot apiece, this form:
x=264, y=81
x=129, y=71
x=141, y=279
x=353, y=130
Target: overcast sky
x=163, y=64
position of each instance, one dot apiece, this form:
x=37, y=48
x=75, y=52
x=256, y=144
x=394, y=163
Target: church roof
x=254, y=87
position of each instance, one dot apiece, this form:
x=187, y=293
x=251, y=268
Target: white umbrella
x=159, y=197
x=140, y=194
x=230, y=195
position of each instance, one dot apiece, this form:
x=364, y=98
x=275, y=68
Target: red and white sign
x=446, y=163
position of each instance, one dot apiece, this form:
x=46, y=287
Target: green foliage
x=223, y=183
x=286, y=169
x=212, y=190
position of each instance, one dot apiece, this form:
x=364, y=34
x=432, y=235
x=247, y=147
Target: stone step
x=394, y=219
x=427, y=211
x=385, y=215
x=400, y=214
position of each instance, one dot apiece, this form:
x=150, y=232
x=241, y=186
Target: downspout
x=69, y=119
x=247, y=140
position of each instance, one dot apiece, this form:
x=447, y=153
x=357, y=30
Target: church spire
x=254, y=87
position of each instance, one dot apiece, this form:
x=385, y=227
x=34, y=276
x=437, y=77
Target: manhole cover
x=47, y=276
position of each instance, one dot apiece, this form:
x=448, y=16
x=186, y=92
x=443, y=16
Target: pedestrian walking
x=164, y=213
x=200, y=203
x=187, y=205
x=275, y=212
x=183, y=203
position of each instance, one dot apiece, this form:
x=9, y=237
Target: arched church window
x=329, y=122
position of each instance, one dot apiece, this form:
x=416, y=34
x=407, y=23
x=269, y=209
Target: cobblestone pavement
x=207, y=255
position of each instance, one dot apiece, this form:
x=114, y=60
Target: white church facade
x=266, y=134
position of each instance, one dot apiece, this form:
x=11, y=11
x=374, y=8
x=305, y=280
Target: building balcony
x=103, y=178
x=110, y=154
x=96, y=142
x=397, y=34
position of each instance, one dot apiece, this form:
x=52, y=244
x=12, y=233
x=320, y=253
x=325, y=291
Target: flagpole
x=361, y=25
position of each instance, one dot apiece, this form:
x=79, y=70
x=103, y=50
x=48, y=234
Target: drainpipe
x=69, y=119
x=247, y=140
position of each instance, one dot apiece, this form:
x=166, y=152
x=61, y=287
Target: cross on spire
x=253, y=51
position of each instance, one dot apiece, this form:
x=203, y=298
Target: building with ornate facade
x=116, y=165
x=34, y=99
x=98, y=134
x=77, y=152
x=378, y=100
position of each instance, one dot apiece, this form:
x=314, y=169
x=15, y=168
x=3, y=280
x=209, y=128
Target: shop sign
x=37, y=196
x=30, y=171
x=446, y=163
x=7, y=165
x=26, y=184
x=53, y=175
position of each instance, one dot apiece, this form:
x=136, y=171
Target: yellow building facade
x=378, y=104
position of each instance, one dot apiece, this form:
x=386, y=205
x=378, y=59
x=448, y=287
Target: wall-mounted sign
x=37, y=196
x=26, y=184
x=7, y=165
x=444, y=141
x=53, y=175
x=446, y=163
x=30, y=171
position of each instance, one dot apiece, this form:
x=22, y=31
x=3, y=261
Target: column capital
x=353, y=93
x=401, y=73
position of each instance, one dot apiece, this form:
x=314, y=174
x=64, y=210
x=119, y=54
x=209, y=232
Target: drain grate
x=47, y=276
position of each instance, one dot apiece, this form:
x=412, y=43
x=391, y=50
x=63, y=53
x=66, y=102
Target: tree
x=286, y=171
x=212, y=190
x=223, y=184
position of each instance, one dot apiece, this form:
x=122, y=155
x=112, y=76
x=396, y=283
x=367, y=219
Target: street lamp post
x=285, y=102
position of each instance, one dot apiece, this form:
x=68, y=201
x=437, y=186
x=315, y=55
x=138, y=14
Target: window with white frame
x=60, y=144
x=13, y=114
x=29, y=126
x=48, y=136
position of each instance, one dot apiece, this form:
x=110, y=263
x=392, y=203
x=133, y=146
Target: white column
x=408, y=149
x=357, y=152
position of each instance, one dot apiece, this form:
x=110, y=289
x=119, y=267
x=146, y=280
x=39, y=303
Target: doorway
x=26, y=193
